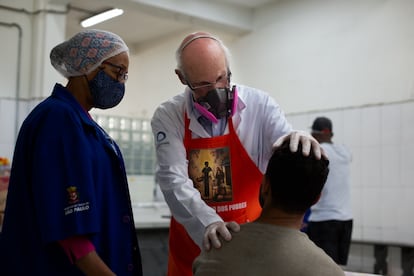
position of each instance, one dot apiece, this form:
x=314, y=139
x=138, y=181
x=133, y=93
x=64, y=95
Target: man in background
x=330, y=221
x=273, y=244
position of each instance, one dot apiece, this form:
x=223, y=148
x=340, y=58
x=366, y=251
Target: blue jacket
x=67, y=178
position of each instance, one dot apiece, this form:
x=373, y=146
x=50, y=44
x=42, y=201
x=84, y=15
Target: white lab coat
x=258, y=122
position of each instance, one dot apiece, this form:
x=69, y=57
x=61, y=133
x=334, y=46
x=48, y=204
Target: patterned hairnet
x=85, y=51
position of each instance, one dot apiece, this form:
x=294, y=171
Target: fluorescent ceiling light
x=101, y=17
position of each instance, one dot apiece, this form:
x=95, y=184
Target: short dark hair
x=296, y=180
x=322, y=124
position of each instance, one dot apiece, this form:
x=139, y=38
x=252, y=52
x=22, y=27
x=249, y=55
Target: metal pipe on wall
x=20, y=30
x=19, y=53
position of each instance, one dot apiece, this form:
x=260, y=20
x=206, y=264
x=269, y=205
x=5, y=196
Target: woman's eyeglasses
x=122, y=75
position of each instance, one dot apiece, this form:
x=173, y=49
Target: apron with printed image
x=228, y=181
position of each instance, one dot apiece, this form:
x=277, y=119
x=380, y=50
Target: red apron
x=228, y=181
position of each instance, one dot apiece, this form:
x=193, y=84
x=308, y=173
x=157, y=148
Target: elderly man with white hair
x=231, y=126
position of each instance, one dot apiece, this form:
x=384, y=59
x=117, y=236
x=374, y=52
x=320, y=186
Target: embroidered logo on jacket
x=73, y=195
x=74, y=202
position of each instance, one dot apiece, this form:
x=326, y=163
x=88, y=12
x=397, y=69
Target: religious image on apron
x=209, y=169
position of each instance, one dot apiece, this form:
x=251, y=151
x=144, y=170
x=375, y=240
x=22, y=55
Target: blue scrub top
x=67, y=178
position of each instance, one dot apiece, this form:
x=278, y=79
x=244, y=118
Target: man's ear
x=264, y=191
x=265, y=188
x=181, y=76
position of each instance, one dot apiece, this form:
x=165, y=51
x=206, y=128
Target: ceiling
x=145, y=21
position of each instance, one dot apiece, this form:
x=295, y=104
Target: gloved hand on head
x=216, y=230
x=307, y=141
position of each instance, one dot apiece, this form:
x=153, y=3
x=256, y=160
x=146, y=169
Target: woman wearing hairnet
x=68, y=209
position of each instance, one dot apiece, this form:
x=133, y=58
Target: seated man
x=274, y=244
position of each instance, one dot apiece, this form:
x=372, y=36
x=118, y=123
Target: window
x=134, y=137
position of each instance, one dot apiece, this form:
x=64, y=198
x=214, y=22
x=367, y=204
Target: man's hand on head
x=308, y=142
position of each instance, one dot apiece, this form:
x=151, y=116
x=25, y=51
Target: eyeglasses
x=122, y=75
x=222, y=80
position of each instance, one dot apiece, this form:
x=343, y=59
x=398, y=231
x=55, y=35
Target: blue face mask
x=106, y=92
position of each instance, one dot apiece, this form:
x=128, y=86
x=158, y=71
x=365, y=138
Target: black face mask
x=217, y=102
